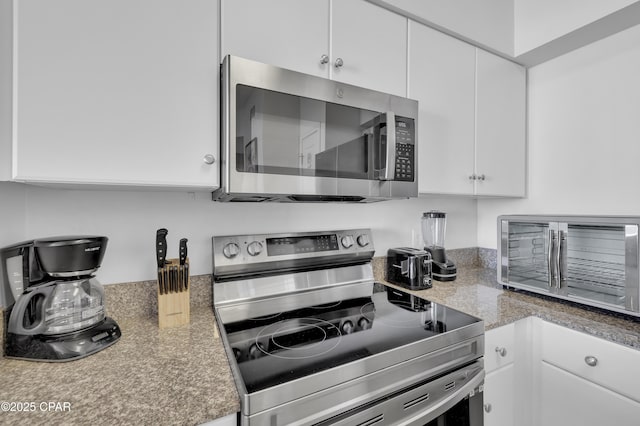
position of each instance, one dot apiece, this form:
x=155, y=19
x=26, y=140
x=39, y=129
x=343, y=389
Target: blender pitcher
x=434, y=225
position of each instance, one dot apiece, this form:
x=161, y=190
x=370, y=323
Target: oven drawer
x=457, y=395
x=609, y=366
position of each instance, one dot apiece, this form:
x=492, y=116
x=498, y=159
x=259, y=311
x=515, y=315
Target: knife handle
x=183, y=250
x=161, y=246
x=186, y=276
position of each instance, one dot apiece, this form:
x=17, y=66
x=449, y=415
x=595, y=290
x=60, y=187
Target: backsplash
x=140, y=299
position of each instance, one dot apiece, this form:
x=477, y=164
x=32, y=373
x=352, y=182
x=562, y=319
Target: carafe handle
x=16, y=320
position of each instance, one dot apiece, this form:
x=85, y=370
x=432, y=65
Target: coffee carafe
x=56, y=305
x=434, y=224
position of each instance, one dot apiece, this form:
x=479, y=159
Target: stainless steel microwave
x=591, y=260
x=288, y=136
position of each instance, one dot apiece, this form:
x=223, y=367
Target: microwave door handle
x=390, y=158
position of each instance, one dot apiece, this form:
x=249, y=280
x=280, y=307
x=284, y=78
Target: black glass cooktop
x=284, y=346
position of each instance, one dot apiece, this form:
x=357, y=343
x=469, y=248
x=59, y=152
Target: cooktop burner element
x=312, y=338
x=300, y=338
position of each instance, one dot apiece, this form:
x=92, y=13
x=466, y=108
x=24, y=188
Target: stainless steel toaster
x=409, y=268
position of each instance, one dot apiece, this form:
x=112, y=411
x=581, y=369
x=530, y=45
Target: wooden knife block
x=174, y=308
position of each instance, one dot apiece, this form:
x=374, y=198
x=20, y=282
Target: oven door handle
x=445, y=404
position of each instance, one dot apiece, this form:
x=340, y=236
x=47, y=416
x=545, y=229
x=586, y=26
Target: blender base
x=444, y=271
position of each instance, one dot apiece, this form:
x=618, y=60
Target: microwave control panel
x=405, y=152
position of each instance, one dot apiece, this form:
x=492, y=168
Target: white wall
x=487, y=22
x=537, y=22
x=583, y=135
x=6, y=99
x=130, y=220
x=13, y=222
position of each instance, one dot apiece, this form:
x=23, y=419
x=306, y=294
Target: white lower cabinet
x=230, y=420
x=583, y=380
x=504, y=361
x=567, y=399
x=543, y=374
x=499, y=397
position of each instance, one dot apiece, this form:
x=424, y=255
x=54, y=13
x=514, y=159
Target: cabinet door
x=372, y=44
x=500, y=126
x=609, y=364
x=116, y=92
x=290, y=34
x=442, y=79
x=499, y=398
x=499, y=347
x=566, y=399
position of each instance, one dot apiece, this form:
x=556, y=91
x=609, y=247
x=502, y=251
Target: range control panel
x=240, y=251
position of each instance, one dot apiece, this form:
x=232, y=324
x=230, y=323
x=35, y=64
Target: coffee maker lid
x=68, y=240
x=434, y=214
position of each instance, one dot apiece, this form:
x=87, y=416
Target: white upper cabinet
x=442, y=80
x=291, y=34
x=120, y=92
x=500, y=126
x=471, y=130
x=352, y=41
x=371, y=44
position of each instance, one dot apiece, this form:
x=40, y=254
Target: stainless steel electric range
x=313, y=340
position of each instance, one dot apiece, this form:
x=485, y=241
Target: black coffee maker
x=56, y=308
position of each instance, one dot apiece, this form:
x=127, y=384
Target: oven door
x=286, y=133
x=454, y=399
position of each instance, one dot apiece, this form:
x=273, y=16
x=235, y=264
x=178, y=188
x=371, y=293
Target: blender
x=434, y=225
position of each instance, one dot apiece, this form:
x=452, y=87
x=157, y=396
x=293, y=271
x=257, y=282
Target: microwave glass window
x=277, y=133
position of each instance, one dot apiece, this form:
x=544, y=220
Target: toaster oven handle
x=561, y=259
x=551, y=258
x=388, y=172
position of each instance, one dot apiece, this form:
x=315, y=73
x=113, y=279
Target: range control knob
x=256, y=350
x=347, y=241
x=254, y=248
x=364, y=323
x=346, y=327
x=237, y=353
x=363, y=240
x=231, y=250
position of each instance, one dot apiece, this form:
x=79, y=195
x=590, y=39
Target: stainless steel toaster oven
x=591, y=260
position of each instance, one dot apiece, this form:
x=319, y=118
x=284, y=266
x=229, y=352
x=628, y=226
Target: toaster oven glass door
x=528, y=247
x=593, y=263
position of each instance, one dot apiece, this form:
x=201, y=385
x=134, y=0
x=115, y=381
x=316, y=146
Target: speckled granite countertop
x=477, y=292
x=182, y=376
x=176, y=376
